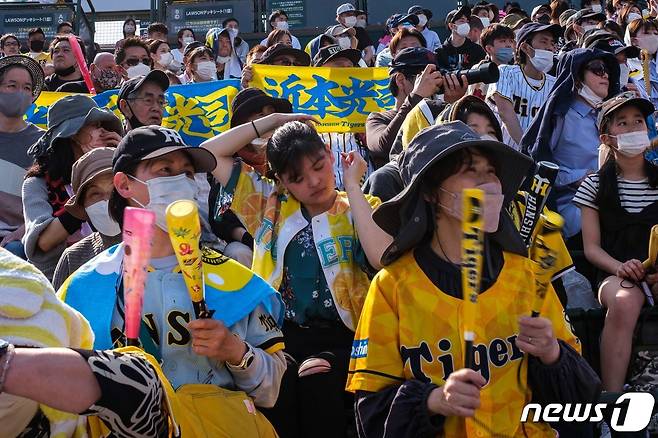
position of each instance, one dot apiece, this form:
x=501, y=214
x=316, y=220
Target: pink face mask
x=493, y=203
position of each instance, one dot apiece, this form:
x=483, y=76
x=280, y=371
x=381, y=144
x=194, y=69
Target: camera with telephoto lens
x=487, y=73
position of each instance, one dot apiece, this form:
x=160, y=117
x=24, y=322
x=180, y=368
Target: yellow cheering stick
x=472, y=249
x=544, y=256
x=185, y=232
x=650, y=263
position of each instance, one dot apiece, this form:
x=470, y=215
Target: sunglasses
x=133, y=62
x=598, y=68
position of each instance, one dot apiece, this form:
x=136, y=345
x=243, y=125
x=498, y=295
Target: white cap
x=345, y=7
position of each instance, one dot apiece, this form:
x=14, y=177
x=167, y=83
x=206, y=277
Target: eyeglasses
x=151, y=101
x=133, y=61
x=597, y=67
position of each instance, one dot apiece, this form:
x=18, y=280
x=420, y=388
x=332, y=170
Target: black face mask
x=134, y=122
x=65, y=71
x=37, y=45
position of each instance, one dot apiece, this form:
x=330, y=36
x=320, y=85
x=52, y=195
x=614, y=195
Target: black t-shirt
x=462, y=57
x=53, y=82
x=363, y=37
x=74, y=87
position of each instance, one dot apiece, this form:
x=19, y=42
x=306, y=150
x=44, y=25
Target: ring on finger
x=529, y=339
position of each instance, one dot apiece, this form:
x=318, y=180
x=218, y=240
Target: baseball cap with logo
x=610, y=43
x=345, y=7
x=332, y=52
x=148, y=142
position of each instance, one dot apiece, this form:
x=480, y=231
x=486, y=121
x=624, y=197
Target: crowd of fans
x=331, y=260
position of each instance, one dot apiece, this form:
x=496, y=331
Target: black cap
x=529, y=29
x=330, y=53
x=583, y=14
x=251, y=101
x=409, y=18
x=456, y=14
x=279, y=49
x=608, y=42
x=156, y=76
x=412, y=60
x=622, y=99
x=148, y=142
x=418, y=9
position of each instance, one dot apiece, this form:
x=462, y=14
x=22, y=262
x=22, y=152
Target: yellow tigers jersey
x=409, y=329
x=564, y=263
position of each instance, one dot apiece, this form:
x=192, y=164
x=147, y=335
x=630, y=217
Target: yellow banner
x=341, y=98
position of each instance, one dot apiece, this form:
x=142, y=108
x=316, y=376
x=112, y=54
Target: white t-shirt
x=634, y=196
x=178, y=55
x=527, y=96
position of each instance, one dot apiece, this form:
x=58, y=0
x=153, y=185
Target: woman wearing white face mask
x=619, y=205
x=201, y=65
x=644, y=35
x=162, y=56
x=92, y=185
x=185, y=36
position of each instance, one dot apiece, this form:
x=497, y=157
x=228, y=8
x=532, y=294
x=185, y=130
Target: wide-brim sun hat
x=405, y=217
x=68, y=115
x=33, y=68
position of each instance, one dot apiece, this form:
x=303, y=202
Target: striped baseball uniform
x=526, y=94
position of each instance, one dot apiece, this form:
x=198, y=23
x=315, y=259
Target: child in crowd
x=311, y=243
x=619, y=205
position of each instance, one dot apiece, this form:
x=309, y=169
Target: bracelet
x=8, y=356
x=254, y=125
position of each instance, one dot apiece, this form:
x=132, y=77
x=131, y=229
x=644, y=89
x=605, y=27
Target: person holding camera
x=458, y=52
x=524, y=87
x=413, y=78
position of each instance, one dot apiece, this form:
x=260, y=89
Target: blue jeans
x=16, y=247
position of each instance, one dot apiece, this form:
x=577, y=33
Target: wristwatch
x=247, y=359
x=4, y=346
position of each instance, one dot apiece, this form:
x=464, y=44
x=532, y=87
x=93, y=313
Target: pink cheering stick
x=137, y=238
x=77, y=52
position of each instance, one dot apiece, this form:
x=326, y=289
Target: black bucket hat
x=68, y=115
x=252, y=100
x=406, y=218
x=33, y=68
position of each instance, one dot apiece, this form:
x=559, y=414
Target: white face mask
x=138, y=70
x=463, y=30
x=590, y=96
x=223, y=59
x=345, y=42
x=543, y=60
x=101, y=220
x=597, y=8
x=488, y=137
x=624, y=72
x=129, y=29
x=350, y=21
x=648, y=43
x=588, y=27
x=632, y=16
x=233, y=32
x=633, y=144
x=187, y=40
x=165, y=190
x=283, y=25
x=166, y=58
x=206, y=70
x=361, y=23
x=422, y=20
x=485, y=21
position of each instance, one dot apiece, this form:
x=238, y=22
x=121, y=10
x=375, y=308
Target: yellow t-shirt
x=409, y=329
